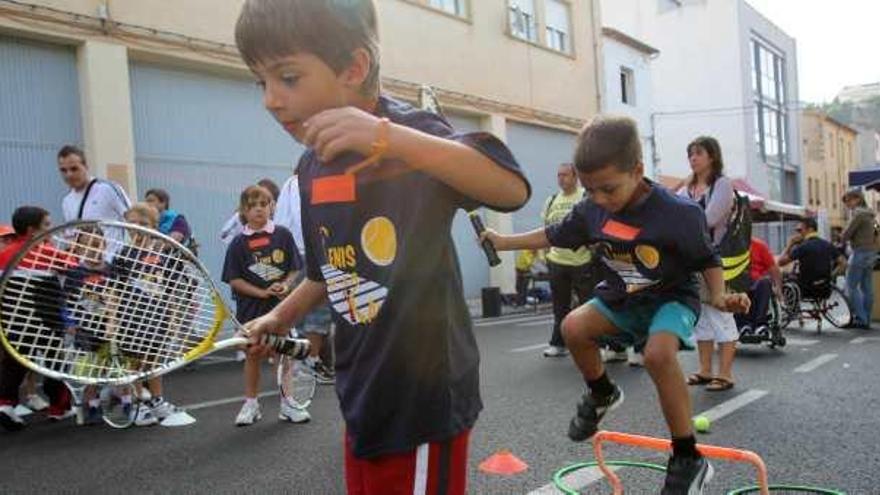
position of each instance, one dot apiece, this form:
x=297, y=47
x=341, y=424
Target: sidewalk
x=475, y=306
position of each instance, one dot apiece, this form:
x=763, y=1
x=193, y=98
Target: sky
x=837, y=42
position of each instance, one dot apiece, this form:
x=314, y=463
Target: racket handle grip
x=488, y=247
x=295, y=348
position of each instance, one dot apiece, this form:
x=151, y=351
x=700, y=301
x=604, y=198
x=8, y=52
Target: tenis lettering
x=342, y=257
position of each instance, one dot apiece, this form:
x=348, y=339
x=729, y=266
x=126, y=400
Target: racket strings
x=129, y=311
x=153, y=306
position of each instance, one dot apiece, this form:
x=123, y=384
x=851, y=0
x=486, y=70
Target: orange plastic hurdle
x=712, y=451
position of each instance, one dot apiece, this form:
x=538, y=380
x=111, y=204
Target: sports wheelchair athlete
x=809, y=291
x=816, y=300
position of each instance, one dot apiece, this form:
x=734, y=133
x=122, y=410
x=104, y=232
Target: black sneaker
x=687, y=476
x=323, y=373
x=590, y=411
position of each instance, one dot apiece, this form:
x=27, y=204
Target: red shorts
x=436, y=468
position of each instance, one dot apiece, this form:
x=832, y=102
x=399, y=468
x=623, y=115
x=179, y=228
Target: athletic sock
x=685, y=447
x=601, y=387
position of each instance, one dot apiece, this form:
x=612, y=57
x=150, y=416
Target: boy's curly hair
x=329, y=29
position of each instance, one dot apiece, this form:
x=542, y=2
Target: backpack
x=734, y=247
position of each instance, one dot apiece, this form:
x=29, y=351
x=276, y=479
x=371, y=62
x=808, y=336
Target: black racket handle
x=488, y=247
x=295, y=348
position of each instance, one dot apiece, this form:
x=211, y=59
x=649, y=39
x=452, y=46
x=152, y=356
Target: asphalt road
x=811, y=411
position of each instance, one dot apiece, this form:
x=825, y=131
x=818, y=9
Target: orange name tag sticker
x=334, y=189
x=259, y=242
x=620, y=230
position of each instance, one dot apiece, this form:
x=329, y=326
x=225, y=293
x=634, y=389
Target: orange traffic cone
x=504, y=463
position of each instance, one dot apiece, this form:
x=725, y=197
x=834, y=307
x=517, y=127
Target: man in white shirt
x=89, y=198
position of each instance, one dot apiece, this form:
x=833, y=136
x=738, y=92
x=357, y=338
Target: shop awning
x=869, y=178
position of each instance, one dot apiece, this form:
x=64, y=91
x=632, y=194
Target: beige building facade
x=830, y=153
x=525, y=70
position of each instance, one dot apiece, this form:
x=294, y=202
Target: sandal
x=698, y=379
x=719, y=385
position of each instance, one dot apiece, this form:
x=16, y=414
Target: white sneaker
x=9, y=420
x=145, y=416
x=292, y=414
x=249, y=414
x=36, y=403
x=634, y=358
x=555, y=351
x=612, y=356
x=163, y=409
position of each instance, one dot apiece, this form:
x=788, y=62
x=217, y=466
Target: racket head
x=296, y=382
x=119, y=405
x=135, y=303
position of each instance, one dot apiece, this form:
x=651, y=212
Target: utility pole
x=655, y=156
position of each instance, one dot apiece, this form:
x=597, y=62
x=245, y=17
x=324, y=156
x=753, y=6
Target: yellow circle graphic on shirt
x=277, y=256
x=379, y=241
x=648, y=255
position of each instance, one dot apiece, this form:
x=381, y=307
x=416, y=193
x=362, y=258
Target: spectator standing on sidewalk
x=861, y=234
x=570, y=270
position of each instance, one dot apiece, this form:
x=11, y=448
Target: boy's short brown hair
x=252, y=193
x=329, y=29
x=608, y=140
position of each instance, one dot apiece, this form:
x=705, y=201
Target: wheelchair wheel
x=790, y=305
x=836, y=309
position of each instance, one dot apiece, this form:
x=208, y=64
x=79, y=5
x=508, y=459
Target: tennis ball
x=701, y=424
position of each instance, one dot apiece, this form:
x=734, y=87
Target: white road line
x=536, y=323
x=490, y=322
x=815, y=363
x=800, y=342
x=222, y=402
x=527, y=348
x=862, y=340
x=576, y=481
x=733, y=404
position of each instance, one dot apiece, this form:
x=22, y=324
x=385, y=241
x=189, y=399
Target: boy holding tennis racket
x=380, y=182
x=652, y=244
x=261, y=263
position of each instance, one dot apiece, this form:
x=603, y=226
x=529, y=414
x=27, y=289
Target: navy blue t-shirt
x=651, y=252
x=406, y=358
x=816, y=258
x=260, y=259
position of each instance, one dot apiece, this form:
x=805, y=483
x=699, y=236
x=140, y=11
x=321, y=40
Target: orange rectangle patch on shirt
x=259, y=242
x=334, y=189
x=620, y=230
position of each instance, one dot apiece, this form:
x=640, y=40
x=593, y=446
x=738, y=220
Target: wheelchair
x=818, y=300
x=775, y=335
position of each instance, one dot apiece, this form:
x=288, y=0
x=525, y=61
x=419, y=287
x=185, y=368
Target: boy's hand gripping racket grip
x=295, y=348
x=488, y=247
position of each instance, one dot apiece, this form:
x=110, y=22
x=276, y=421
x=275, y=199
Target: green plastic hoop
x=561, y=486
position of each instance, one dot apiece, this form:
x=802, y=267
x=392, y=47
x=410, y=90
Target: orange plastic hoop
x=713, y=451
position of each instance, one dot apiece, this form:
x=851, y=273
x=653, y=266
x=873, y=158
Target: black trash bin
x=491, y=302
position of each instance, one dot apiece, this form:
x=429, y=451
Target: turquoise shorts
x=641, y=322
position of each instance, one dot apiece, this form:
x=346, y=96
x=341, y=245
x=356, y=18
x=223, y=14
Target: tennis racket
x=135, y=303
x=296, y=382
x=428, y=101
